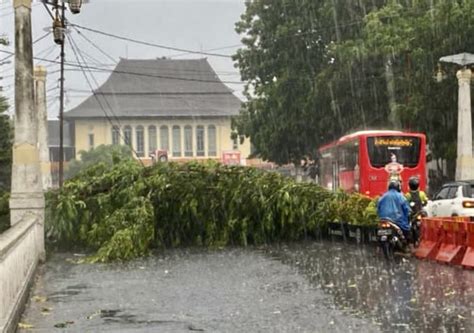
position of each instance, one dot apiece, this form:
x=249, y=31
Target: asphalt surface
x=305, y=287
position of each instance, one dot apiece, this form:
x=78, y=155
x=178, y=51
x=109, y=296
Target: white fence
x=20, y=252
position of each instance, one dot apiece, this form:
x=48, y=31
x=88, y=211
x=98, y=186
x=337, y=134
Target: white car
x=453, y=199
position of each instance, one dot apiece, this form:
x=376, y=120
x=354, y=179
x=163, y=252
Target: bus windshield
x=383, y=149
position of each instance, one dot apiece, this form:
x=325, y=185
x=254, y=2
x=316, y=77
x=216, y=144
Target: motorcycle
x=391, y=238
x=415, y=222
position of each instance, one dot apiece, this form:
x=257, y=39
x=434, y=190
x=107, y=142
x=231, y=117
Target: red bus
x=364, y=161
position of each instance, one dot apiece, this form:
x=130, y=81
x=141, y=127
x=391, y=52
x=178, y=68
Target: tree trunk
x=392, y=103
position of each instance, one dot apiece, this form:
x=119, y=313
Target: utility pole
x=59, y=32
x=61, y=104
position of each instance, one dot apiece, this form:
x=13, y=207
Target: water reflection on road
x=407, y=295
x=301, y=287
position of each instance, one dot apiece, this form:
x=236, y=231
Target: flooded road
x=305, y=287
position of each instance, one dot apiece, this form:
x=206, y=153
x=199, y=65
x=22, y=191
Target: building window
x=211, y=141
x=176, y=141
x=139, y=134
x=188, y=141
x=115, y=135
x=151, y=139
x=127, y=135
x=164, y=138
x=200, y=141
x=91, y=141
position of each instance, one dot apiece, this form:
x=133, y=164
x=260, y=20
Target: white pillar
x=42, y=116
x=464, y=162
x=27, y=198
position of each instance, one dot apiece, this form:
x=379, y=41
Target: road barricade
x=468, y=260
x=431, y=238
x=453, y=243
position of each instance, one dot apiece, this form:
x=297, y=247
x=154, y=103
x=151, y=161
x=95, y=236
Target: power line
x=132, y=73
x=94, y=45
x=167, y=70
x=76, y=51
x=94, y=60
x=34, y=42
x=47, y=52
x=215, y=49
x=151, y=44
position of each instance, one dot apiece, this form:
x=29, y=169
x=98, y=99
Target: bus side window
x=327, y=162
x=348, y=157
x=348, y=166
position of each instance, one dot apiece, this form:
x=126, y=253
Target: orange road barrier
x=430, y=238
x=453, y=244
x=468, y=260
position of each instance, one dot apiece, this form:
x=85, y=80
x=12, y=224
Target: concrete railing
x=19, y=257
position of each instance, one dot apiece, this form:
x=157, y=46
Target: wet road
x=306, y=287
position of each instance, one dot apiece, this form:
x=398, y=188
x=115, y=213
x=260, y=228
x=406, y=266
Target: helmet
x=414, y=183
x=394, y=184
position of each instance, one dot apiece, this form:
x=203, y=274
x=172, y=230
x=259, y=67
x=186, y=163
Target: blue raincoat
x=394, y=207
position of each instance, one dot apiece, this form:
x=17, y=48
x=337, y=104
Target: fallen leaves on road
x=95, y=314
x=46, y=311
x=64, y=324
x=39, y=299
x=25, y=326
x=450, y=293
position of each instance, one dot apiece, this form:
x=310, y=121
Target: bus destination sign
x=394, y=142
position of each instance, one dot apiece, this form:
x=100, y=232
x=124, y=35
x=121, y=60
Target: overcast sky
x=187, y=24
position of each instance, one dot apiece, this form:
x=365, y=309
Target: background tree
x=5, y=164
x=5, y=146
x=108, y=154
x=409, y=38
x=316, y=70
x=279, y=62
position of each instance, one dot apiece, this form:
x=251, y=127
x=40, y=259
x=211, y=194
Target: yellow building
x=179, y=106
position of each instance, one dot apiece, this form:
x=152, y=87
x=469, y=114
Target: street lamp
x=464, y=161
x=75, y=6
x=439, y=75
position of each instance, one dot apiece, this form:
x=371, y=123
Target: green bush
x=121, y=211
x=4, y=211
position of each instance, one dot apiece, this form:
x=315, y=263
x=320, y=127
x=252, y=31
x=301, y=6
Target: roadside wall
x=19, y=257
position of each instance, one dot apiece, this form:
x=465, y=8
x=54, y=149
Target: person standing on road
x=394, y=207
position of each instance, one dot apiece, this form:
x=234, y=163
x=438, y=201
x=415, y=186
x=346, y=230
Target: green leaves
x=316, y=70
x=106, y=154
x=6, y=142
x=122, y=211
x=280, y=60
x=4, y=211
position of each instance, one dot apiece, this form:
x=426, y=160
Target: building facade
x=177, y=106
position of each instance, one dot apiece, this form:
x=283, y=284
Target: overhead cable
x=151, y=44
x=131, y=73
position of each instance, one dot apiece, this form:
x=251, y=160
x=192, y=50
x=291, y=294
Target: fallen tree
x=121, y=212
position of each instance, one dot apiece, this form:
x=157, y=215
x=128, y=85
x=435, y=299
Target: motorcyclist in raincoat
x=394, y=207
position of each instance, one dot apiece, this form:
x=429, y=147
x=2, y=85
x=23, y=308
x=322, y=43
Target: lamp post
x=464, y=160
